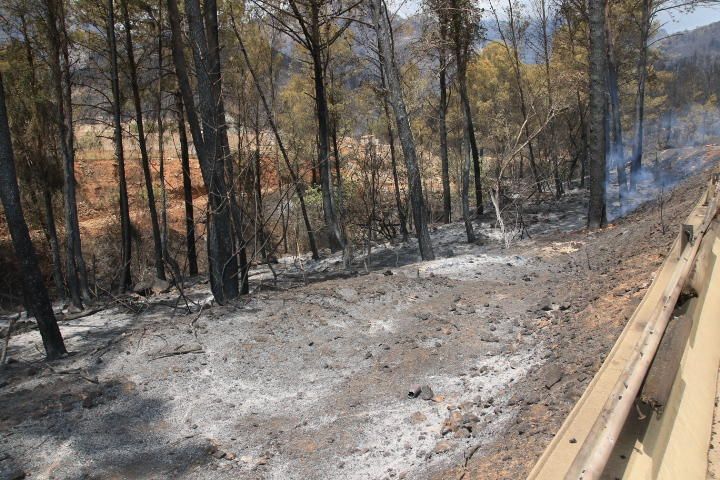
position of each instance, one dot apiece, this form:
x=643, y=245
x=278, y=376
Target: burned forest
x=339, y=239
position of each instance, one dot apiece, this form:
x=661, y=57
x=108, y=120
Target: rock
x=12, y=473
x=417, y=417
x=532, y=398
x=414, y=391
x=470, y=418
x=442, y=447
x=426, y=392
x=462, y=433
x=552, y=376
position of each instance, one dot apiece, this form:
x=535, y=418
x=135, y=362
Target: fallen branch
x=179, y=352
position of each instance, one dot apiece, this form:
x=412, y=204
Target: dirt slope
x=309, y=379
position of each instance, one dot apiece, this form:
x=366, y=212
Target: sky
x=679, y=21
x=672, y=22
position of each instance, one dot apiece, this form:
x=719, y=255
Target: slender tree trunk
x=257, y=189
x=300, y=188
x=60, y=79
x=335, y=238
x=597, y=113
x=187, y=188
x=125, y=236
x=142, y=141
x=43, y=184
x=442, y=113
x=464, y=193
x=67, y=96
x=53, y=241
x=615, y=147
x=222, y=260
x=551, y=151
x=383, y=31
x=472, y=143
x=36, y=296
x=636, y=160
x=393, y=160
x=515, y=57
x=396, y=181
x=164, y=225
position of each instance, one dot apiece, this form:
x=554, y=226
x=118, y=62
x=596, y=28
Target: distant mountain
x=702, y=42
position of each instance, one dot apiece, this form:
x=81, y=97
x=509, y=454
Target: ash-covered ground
x=309, y=376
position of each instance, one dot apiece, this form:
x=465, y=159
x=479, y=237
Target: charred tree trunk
x=125, y=236
x=636, y=159
x=222, y=260
x=464, y=192
x=396, y=182
x=60, y=81
x=164, y=226
x=323, y=116
x=472, y=144
x=516, y=64
x=300, y=187
x=442, y=114
x=597, y=114
x=384, y=32
x=616, y=148
x=393, y=160
x=47, y=217
x=52, y=238
x=187, y=188
x=142, y=141
x=36, y=296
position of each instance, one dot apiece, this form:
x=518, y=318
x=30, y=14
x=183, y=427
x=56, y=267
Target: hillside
x=703, y=42
x=310, y=377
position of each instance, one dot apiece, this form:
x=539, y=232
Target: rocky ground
x=310, y=376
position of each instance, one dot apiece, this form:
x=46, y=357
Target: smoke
x=676, y=146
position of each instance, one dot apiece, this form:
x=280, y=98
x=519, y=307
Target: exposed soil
x=309, y=376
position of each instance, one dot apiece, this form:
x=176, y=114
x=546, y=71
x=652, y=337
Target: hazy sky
x=675, y=22
x=686, y=21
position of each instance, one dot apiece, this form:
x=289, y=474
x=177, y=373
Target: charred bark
x=442, y=114
x=61, y=86
x=383, y=30
x=142, y=141
x=637, y=152
x=125, y=236
x=222, y=261
x=187, y=188
x=597, y=114
x=36, y=296
x=299, y=186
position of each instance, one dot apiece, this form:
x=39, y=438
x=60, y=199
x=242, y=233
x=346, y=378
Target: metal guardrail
x=598, y=423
